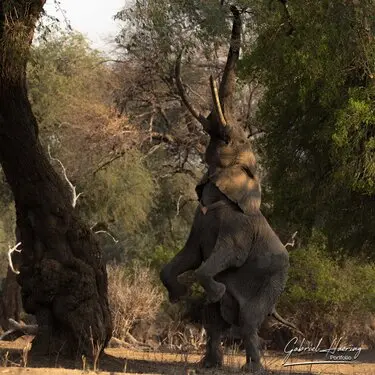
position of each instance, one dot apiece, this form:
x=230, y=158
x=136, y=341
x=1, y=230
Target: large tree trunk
x=62, y=276
x=10, y=301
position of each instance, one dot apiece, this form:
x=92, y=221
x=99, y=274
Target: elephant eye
x=248, y=172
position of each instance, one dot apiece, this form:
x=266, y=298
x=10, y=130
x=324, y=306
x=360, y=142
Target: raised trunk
x=228, y=82
x=62, y=276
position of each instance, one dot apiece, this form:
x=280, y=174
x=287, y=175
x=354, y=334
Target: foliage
x=123, y=193
x=338, y=295
x=64, y=72
x=317, y=115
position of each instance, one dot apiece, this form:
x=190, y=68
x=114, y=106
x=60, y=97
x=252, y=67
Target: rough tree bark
x=10, y=300
x=62, y=276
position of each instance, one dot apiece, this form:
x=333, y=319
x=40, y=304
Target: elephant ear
x=240, y=186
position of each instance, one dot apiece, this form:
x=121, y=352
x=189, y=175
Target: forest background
x=306, y=98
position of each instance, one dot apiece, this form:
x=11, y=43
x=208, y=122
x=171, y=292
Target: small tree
x=62, y=275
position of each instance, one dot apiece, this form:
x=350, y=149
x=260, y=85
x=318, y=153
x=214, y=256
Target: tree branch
x=288, y=16
x=72, y=187
x=183, y=96
x=108, y=234
x=291, y=242
x=10, y=252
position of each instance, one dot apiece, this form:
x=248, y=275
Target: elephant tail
x=281, y=320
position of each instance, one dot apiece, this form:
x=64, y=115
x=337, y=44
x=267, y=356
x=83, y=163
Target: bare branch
x=151, y=124
x=152, y=150
x=183, y=95
x=106, y=163
x=18, y=330
x=255, y=135
x=165, y=117
x=101, y=229
x=178, y=205
x=291, y=242
x=75, y=196
x=165, y=138
x=288, y=16
x=196, y=94
x=252, y=90
x=10, y=252
x=108, y=234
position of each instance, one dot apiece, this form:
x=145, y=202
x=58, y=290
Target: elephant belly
x=210, y=224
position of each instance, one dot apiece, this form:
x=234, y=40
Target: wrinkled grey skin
x=237, y=257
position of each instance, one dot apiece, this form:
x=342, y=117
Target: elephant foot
x=175, y=289
x=253, y=368
x=212, y=360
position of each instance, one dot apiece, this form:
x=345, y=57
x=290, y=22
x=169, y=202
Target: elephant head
x=229, y=156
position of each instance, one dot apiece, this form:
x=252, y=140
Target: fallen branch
x=10, y=252
x=18, y=330
x=72, y=187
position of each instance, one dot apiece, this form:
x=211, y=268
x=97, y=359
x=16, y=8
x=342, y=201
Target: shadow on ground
x=131, y=362
x=113, y=364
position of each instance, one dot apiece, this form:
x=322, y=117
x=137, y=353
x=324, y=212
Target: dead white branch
x=115, y=240
x=178, y=205
x=72, y=187
x=292, y=241
x=10, y=252
x=108, y=234
x=152, y=150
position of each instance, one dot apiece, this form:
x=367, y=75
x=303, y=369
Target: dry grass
x=130, y=361
x=133, y=296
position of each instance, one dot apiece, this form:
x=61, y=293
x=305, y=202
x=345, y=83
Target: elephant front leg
x=189, y=258
x=222, y=258
x=182, y=262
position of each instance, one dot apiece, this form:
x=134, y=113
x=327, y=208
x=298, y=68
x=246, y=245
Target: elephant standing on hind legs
x=237, y=257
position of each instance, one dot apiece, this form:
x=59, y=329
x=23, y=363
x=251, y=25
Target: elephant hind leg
x=214, y=325
x=251, y=343
x=252, y=315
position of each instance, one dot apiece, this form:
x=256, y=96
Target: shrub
x=133, y=296
x=331, y=299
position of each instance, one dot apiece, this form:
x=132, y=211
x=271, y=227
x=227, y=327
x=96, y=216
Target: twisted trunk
x=62, y=276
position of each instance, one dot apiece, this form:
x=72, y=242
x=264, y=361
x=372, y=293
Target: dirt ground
x=13, y=356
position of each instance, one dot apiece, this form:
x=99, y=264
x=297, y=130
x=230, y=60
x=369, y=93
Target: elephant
x=241, y=264
x=237, y=257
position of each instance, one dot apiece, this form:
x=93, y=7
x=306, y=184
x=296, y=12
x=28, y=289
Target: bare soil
x=14, y=359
